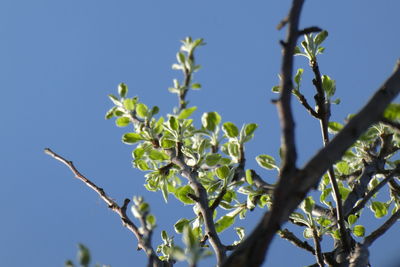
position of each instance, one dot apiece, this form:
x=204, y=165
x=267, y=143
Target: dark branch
x=143, y=239
x=382, y=229
x=318, y=253
x=309, y=30
x=292, y=238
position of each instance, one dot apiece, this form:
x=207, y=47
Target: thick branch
x=143, y=239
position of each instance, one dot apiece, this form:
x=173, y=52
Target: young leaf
x=110, y=113
x=122, y=121
x=379, y=208
x=129, y=104
x=186, y=113
x=196, y=86
x=222, y=172
x=308, y=233
x=173, y=123
x=320, y=37
x=182, y=194
x=213, y=159
x=334, y=127
x=352, y=219
x=224, y=222
x=266, y=162
x=230, y=129
x=210, y=120
x=297, y=77
x=83, y=255
x=392, y=112
x=359, y=230
x=158, y=155
x=131, y=138
x=141, y=110
x=179, y=225
x=122, y=90
x=250, y=128
x=308, y=205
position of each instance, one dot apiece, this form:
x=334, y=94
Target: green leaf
x=122, y=121
x=141, y=110
x=240, y=232
x=141, y=165
x=186, y=113
x=266, y=162
x=392, y=112
x=173, y=123
x=151, y=220
x=213, y=159
x=343, y=167
x=344, y=192
x=182, y=194
x=334, y=127
x=83, y=255
x=110, y=113
x=129, y=104
x=69, y=263
x=210, y=120
x=379, y=209
x=164, y=190
x=158, y=155
x=138, y=153
x=196, y=86
x=224, y=222
x=179, y=225
x=222, y=172
x=230, y=129
x=249, y=177
x=359, y=230
x=352, y=219
x=297, y=77
x=180, y=57
x=167, y=143
x=131, y=138
x=276, y=89
x=114, y=99
x=250, y=128
x=329, y=85
x=154, y=110
x=308, y=204
x=164, y=236
x=320, y=37
x=122, y=90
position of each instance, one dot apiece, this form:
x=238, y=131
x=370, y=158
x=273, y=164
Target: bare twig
x=292, y=238
x=365, y=199
x=143, y=238
x=302, y=99
x=218, y=199
x=382, y=229
x=309, y=30
x=318, y=253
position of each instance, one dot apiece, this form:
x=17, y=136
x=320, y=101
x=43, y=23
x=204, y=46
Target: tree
x=205, y=167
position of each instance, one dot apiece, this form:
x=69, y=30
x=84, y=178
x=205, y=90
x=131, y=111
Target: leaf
x=182, y=192
x=240, y=232
x=164, y=190
x=329, y=85
x=230, y=129
x=141, y=165
x=250, y=128
x=320, y=37
x=167, y=143
x=224, y=222
x=186, y=113
x=173, y=123
x=114, y=99
x=392, y=112
x=196, y=86
x=276, y=89
x=266, y=162
x=129, y=104
x=158, y=155
x=379, y=209
x=352, y=219
x=122, y=90
x=298, y=217
x=179, y=225
x=83, y=255
x=164, y=236
x=359, y=230
x=131, y=138
x=344, y=192
x=334, y=127
x=308, y=204
x=343, y=167
x=154, y=110
x=222, y=172
x=141, y=110
x=151, y=220
x=110, y=113
x=122, y=121
x=138, y=153
x=213, y=159
x=210, y=120
x=249, y=177
x=297, y=77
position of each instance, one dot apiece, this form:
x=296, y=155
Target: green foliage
x=83, y=258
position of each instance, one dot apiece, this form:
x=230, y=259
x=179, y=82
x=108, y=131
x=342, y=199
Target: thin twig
x=143, y=239
x=360, y=205
x=309, y=30
x=302, y=99
x=382, y=229
x=317, y=244
x=292, y=238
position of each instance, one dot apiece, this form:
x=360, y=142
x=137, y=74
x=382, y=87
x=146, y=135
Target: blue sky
x=60, y=59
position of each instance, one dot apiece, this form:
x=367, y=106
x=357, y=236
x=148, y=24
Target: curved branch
x=143, y=239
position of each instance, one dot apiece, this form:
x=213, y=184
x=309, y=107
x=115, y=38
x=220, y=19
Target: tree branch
x=143, y=238
x=318, y=253
x=292, y=238
x=382, y=229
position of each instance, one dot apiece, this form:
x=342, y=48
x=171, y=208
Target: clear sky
x=60, y=59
